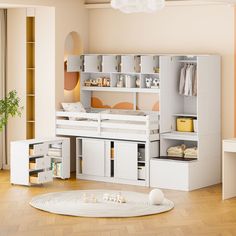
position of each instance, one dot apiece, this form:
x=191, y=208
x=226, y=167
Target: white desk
x=229, y=169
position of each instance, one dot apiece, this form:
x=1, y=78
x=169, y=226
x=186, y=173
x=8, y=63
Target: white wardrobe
x=31, y=71
x=206, y=108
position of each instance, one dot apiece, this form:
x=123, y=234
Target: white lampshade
x=132, y=6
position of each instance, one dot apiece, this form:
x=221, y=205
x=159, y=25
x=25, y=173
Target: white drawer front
x=169, y=174
x=40, y=163
x=41, y=177
x=40, y=149
x=48, y=176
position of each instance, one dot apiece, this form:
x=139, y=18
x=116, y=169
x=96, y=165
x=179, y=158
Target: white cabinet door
x=126, y=160
x=74, y=63
x=93, y=152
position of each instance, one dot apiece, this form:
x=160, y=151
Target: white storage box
x=141, y=172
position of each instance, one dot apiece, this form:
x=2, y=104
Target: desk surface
x=233, y=140
x=229, y=168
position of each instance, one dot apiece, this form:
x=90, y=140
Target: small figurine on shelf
x=94, y=82
x=120, y=83
x=106, y=82
x=138, y=83
x=156, y=69
x=99, y=82
x=156, y=83
x=87, y=82
x=148, y=81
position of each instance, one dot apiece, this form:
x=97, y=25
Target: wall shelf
x=125, y=90
x=185, y=136
x=185, y=115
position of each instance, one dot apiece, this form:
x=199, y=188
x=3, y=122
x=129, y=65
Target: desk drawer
x=229, y=146
x=40, y=163
x=41, y=177
x=38, y=150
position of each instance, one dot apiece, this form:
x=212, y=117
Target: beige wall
x=70, y=16
x=186, y=29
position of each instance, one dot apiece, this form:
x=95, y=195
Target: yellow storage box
x=184, y=124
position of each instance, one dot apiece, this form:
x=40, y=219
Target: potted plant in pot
x=9, y=107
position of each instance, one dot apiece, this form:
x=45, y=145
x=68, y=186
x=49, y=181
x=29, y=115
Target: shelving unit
x=35, y=161
x=163, y=171
x=30, y=76
x=137, y=67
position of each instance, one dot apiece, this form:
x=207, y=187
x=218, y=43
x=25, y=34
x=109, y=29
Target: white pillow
x=73, y=107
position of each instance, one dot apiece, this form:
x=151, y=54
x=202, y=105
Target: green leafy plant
x=9, y=107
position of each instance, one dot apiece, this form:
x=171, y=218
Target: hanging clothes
x=188, y=87
x=195, y=82
x=182, y=80
x=188, y=80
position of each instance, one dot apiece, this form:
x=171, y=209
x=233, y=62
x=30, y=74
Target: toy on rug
x=89, y=198
x=114, y=198
x=156, y=197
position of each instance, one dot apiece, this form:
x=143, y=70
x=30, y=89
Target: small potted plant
x=9, y=107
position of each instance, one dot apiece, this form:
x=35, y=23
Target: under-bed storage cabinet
x=93, y=157
x=118, y=161
x=126, y=164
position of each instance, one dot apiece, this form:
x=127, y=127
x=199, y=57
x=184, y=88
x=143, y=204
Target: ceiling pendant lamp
x=134, y=6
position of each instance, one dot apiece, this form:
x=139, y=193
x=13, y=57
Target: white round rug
x=81, y=203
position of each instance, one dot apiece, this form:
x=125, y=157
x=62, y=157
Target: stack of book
x=55, y=150
x=56, y=169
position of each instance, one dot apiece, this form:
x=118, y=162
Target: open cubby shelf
x=30, y=79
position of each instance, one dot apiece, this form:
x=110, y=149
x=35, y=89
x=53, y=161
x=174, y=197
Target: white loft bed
x=113, y=126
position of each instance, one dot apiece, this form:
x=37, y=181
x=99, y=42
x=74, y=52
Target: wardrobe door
x=93, y=152
x=126, y=160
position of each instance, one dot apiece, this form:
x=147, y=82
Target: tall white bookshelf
x=167, y=172
x=31, y=72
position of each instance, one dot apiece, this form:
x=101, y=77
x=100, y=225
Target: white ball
x=156, y=197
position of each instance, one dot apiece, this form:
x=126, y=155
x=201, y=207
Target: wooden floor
x=200, y=212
